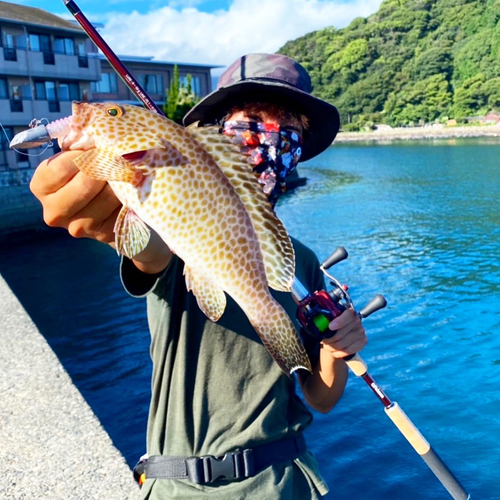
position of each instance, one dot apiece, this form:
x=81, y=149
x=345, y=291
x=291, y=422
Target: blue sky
x=94, y=7
x=209, y=31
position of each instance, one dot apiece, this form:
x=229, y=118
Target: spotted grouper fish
x=197, y=191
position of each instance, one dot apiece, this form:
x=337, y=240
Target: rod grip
x=408, y=429
x=428, y=455
x=357, y=365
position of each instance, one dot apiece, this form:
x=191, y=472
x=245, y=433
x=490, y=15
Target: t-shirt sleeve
x=136, y=283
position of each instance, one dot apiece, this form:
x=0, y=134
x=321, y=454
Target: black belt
x=230, y=466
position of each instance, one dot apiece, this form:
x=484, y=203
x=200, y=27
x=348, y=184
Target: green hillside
x=414, y=61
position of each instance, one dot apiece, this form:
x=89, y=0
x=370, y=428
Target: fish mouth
x=71, y=131
x=135, y=156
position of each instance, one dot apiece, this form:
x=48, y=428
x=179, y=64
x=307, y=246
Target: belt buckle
x=230, y=466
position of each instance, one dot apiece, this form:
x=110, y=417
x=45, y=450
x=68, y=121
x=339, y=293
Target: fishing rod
x=315, y=312
x=37, y=134
x=128, y=79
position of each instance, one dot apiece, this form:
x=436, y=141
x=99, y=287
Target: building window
x=16, y=106
x=9, y=50
x=195, y=83
x=41, y=43
x=107, y=85
x=34, y=41
x=69, y=91
x=4, y=147
x=152, y=83
x=8, y=40
x=46, y=91
x=50, y=89
x=49, y=58
x=83, y=60
x=64, y=46
x=4, y=94
x=54, y=107
x=9, y=54
x=16, y=101
x=40, y=94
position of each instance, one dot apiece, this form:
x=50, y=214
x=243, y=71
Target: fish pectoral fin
x=131, y=233
x=275, y=244
x=211, y=298
x=150, y=152
x=104, y=164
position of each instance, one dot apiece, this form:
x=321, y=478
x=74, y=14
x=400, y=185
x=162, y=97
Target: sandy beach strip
x=414, y=133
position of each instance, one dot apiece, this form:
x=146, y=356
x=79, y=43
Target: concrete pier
x=52, y=446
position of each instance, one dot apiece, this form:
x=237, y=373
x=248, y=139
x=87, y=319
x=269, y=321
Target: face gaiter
x=273, y=151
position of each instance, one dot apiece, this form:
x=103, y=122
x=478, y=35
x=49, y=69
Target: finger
x=97, y=219
x=351, y=349
x=54, y=173
x=343, y=319
x=339, y=334
x=348, y=339
x=69, y=200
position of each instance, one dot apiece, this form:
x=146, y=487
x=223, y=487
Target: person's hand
x=350, y=335
x=72, y=200
x=87, y=208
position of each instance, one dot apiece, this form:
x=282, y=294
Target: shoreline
x=415, y=133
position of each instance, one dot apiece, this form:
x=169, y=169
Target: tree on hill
x=414, y=61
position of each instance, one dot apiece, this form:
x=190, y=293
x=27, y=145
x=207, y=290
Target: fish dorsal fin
x=131, y=234
x=211, y=298
x=104, y=164
x=275, y=244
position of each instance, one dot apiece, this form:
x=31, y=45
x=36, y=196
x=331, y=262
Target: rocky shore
x=413, y=133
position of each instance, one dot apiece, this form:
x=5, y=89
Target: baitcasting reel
x=316, y=310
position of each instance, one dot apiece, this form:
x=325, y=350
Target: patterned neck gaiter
x=273, y=151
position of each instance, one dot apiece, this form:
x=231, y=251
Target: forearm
x=323, y=388
x=154, y=258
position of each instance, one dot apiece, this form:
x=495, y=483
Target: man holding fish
x=194, y=206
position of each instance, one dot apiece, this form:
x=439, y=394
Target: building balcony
x=17, y=62
x=25, y=110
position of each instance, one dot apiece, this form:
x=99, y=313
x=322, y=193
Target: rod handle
x=428, y=455
x=357, y=365
x=408, y=429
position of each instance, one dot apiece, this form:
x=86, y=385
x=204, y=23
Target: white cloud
x=220, y=37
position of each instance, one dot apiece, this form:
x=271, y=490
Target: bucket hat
x=274, y=78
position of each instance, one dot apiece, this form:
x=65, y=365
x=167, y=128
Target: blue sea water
x=421, y=222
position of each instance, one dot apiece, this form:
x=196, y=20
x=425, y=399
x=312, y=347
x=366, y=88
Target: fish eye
x=114, y=111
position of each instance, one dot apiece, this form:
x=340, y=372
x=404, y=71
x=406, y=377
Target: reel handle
x=337, y=256
x=378, y=302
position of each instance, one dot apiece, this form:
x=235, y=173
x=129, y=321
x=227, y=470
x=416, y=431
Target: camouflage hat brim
x=324, y=119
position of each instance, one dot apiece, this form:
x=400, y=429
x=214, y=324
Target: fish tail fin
x=279, y=336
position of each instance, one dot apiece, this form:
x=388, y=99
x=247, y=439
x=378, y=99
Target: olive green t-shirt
x=215, y=389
